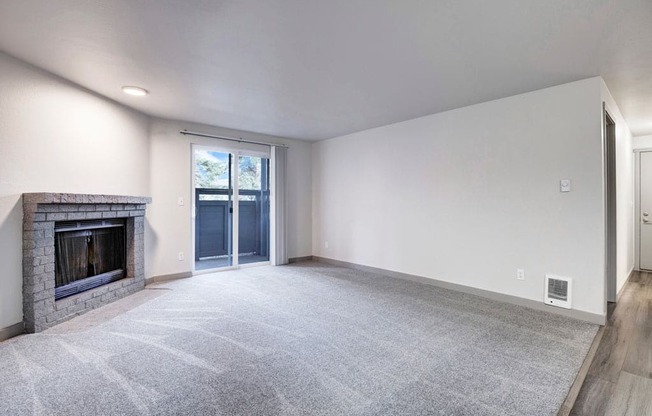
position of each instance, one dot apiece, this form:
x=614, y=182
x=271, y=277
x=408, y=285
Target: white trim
x=606, y=110
x=235, y=204
x=637, y=210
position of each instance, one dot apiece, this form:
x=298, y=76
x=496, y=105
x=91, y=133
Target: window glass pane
x=213, y=209
x=250, y=173
x=211, y=169
x=253, y=203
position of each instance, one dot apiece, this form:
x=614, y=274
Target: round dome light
x=136, y=91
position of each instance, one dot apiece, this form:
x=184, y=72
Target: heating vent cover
x=558, y=291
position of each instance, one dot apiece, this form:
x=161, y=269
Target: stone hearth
x=40, y=212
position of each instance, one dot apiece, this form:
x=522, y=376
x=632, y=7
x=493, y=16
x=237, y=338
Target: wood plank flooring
x=619, y=380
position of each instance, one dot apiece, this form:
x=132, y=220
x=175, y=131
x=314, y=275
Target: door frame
x=610, y=187
x=637, y=205
x=235, y=218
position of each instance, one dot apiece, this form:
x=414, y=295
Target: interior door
x=645, y=220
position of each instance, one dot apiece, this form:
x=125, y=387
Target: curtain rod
x=239, y=140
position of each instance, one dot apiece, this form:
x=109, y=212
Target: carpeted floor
x=306, y=339
x=225, y=261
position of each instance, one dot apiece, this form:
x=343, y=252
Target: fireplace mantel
x=60, y=198
x=40, y=212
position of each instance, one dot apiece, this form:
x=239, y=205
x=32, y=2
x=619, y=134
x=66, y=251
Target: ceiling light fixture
x=136, y=91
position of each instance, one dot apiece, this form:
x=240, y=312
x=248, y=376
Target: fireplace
x=80, y=252
x=87, y=254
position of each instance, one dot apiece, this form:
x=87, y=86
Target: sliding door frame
x=235, y=217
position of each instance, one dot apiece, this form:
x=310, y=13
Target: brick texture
x=40, y=212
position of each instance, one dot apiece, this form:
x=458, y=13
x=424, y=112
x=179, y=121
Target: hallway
x=619, y=381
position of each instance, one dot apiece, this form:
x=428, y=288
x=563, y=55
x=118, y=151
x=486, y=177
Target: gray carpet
x=217, y=262
x=306, y=339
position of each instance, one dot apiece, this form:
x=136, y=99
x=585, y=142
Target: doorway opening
x=232, y=208
x=610, y=206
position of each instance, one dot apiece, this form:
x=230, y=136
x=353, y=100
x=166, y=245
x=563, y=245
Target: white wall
x=470, y=195
x=642, y=142
x=624, y=190
x=56, y=137
x=169, y=228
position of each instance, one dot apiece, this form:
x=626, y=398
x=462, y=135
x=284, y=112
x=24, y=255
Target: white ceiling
x=315, y=69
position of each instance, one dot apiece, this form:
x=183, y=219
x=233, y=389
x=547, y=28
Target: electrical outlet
x=181, y=256
x=520, y=274
x=325, y=244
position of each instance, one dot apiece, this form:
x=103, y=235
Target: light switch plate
x=565, y=185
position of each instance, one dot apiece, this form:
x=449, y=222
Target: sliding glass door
x=228, y=234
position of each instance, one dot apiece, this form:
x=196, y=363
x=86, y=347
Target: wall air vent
x=558, y=291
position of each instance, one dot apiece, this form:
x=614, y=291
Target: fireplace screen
x=88, y=255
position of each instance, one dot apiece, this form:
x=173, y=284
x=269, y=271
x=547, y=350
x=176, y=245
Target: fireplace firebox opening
x=88, y=254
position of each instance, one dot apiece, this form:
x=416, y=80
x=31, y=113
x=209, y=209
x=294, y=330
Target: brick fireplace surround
x=40, y=212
